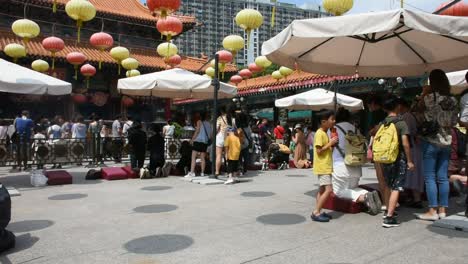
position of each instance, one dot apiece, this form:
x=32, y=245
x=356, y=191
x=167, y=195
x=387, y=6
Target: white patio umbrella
x=174, y=83
x=381, y=44
x=457, y=81
x=18, y=79
x=319, y=99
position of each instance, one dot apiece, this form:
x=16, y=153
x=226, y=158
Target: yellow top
x=233, y=143
x=323, y=162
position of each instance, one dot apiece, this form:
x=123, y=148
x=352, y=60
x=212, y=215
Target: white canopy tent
x=319, y=99
x=379, y=44
x=20, y=80
x=174, y=83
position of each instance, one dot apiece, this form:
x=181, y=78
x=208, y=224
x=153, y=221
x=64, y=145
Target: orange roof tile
x=146, y=57
x=125, y=8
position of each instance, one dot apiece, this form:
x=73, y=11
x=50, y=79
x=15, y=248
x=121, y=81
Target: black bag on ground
x=94, y=175
x=7, y=240
x=5, y=207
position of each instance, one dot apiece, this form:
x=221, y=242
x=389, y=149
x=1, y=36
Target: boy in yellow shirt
x=323, y=163
x=232, y=148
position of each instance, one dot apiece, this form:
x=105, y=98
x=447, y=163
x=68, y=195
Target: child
x=323, y=163
x=232, y=147
x=395, y=173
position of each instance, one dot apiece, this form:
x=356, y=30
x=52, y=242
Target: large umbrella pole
x=214, y=114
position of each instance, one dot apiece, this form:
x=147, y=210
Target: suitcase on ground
x=113, y=173
x=7, y=240
x=58, y=177
x=342, y=205
x=5, y=207
x=94, y=174
x=131, y=174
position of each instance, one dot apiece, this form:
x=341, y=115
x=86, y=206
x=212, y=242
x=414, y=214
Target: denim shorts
x=395, y=174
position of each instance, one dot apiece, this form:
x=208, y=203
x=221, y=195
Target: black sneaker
x=390, y=221
x=395, y=214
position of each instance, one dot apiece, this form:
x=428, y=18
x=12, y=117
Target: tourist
x=168, y=132
x=256, y=148
x=233, y=149
x=222, y=124
x=440, y=111
x=94, y=131
x=245, y=133
x=300, y=151
x=264, y=134
x=395, y=173
x=199, y=142
x=127, y=125
x=38, y=140
x=3, y=131
x=279, y=132
x=323, y=165
x=376, y=116
x=55, y=131
x=345, y=179
x=66, y=129
x=79, y=129
x=117, y=141
x=156, y=149
x=310, y=142
x=23, y=127
x=137, y=143
x=464, y=123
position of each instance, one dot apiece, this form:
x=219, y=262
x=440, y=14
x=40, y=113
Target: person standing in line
x=222, y=124
x=54, y=133
x=23, y=127
x=79, y=129
x=117, y=139
x=279, y=132
x=168, y=132
x=199, y=144
x=323, y=165
x=233, y=149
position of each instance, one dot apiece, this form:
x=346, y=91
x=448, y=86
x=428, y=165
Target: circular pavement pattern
x=158, y=244
x=257, y=194
x=155, y=208
x=281, y=219
x=156, y=188
x=29, y=225
x=70, y=196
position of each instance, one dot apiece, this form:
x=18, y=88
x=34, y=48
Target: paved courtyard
x=264, y=219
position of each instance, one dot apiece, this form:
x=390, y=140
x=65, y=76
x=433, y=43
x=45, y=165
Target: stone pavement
x=263, y=219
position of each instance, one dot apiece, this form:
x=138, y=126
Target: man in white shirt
x=117, y=138
x=127, y=125
x=168, y=132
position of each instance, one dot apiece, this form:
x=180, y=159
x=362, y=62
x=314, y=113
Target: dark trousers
x=137, y=160
x=156, y=161
x=245, y=159
x=22, y=152
x=117, y=145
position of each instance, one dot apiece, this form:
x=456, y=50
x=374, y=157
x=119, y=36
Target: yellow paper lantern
x=130, y=64
x=40, y=65
x=15, y=51
x=210, y=71
x=81, y=11
x=26, y=29
x=132, y=73
x=249, y=19
x=263, y=62
x=167, y=50
x=119, y=54
x=285, y=71
x=277, y=75
x=233, y=43
x=337, y=7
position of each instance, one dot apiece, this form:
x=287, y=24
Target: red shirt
x=279, y=132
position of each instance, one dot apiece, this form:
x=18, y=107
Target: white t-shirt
x=346, y=126
x=3, y=132
x=115, y=128
x=464, y=108
x=127, y=126
x=169, y=131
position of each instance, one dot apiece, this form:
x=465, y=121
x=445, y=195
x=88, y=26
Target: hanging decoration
x=225, y=57
x=119, y=54
x=236, y=79
x=337, y=7
x=173, y=60
x=273, y=13
x=167, y=50
x=132, y=73
x=263, y=62
x=79, y=98
x=76, y=58
x=163, y=7
x=88, y=71
x=245, y=74
x=127, y=101
x=169, y=27
x=458, y=9
x=285, y=71
x=99, y=98
x=130, y=64
x=40, y=65
x=53, y=45
x=15, y=51
x=101, y=41
x=254, y=68
x=233, y=43
x=277, y=75
x=210, y=71
x=249, y=19
x=25, y=29
x=81, y=11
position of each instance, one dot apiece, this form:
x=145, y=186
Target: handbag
x=209, y=142
x=429, y=128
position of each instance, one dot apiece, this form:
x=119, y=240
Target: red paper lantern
x=173, y=61
x=88, y=71
x=163, y=7
x=245, y=73
x=127, y=101
x=224, y=56
x=53, y=45
x=99, y=98
x=254, y=68
x=236, y=79
x=169, y=27
x=102, y=41
x=79, y=98
x=76, y=58
x=458, y=9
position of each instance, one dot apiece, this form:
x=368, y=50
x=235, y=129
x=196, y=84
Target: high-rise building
x=217, y=20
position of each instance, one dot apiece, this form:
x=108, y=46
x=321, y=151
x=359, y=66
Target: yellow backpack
x=386, y=144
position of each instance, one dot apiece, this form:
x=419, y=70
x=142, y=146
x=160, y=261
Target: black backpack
x=94, y=175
